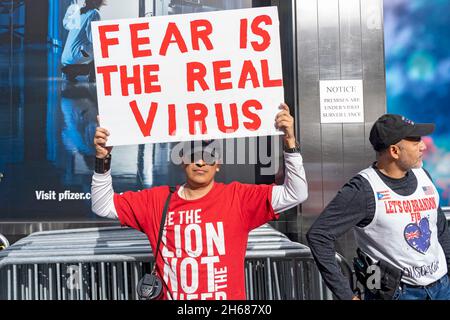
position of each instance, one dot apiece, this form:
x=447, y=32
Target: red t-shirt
x=203, y=246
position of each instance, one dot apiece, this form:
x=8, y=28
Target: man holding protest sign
x=202, y=76
x=207, y=224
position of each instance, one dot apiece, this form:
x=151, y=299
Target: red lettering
x=106, y=71
x=422, y=205
x=106, y=42
x=198, y=34
x=433, y=203
x=426, y=204
x=150, y=79
x=415, y=207
x=392, y=205
x=172, y=31
x=172, y=120
x=134, y=80
x=248, y=69
x=388, y=205
x=144, y=126
x=406, y=206
x=136, y=41
x=261, y=32
x=196, y=71
x=419, y=205
x=267, y=82
x=415, y=216
x=221, y=121
x=256, y=121
x=220, y=75
x=243, y=34
x=197, y=113
x=399, y=206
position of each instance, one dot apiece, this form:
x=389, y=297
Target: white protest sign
x=189, y=77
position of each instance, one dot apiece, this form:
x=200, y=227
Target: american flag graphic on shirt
x=428, y=190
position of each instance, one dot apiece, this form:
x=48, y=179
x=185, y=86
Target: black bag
x=150, y=286
x=390, y=280
x=390, y=276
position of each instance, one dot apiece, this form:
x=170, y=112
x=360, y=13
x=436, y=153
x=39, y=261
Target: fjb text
x=144, y=79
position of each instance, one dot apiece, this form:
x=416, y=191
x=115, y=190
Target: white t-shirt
x=404, y=231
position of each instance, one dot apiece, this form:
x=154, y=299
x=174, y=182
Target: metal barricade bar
x=107, y=263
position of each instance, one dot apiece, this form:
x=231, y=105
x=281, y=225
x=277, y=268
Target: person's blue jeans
x=440, y=290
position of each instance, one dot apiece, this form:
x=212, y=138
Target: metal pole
x=14, y=282
x=125, y=279
x=58, y=281
x=114, y=286
x=80, y=281
x=269, y=279
x=36, y=282
x=250, y=280
x=102, y=271
x=9, y=280
x=277, y=283
x=50, y=282
x=93, y=284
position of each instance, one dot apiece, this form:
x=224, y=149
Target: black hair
x=92, y=4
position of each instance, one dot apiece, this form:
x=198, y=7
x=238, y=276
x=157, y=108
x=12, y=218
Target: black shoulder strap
x=163, y=220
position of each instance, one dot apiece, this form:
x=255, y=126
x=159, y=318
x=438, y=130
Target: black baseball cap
x=391, y=128
x=208, y=150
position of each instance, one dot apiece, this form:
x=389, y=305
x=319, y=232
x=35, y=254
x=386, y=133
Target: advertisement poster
x=48, y=117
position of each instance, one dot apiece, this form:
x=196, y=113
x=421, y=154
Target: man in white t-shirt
x=206, y=229
x=393, y=207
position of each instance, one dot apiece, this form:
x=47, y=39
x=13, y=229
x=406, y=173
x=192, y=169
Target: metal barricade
x=107, y=263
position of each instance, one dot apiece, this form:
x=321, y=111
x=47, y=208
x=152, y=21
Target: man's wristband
x=295, y=149
x=103, y=165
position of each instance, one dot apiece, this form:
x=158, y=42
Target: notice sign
x=189, y=77
x=341, y=101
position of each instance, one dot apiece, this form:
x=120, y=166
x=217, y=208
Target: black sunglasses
x=207, y=157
